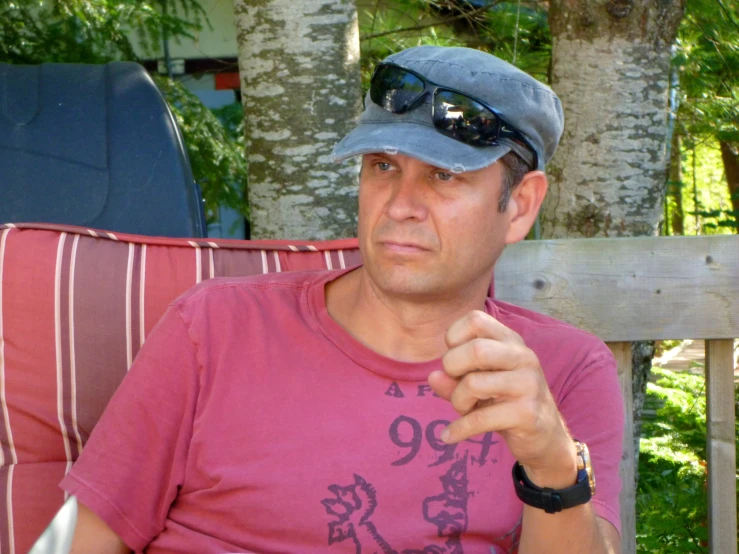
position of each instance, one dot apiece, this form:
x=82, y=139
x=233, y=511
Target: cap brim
x=418, y=141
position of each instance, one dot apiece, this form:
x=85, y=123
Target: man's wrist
x=559, y=473
x=554, y=491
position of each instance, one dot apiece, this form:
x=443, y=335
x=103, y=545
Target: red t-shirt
x=252, y=422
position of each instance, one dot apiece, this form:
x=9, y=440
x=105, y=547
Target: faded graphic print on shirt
x=352, y=505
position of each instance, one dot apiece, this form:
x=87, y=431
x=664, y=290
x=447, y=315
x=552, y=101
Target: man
x=382, y=408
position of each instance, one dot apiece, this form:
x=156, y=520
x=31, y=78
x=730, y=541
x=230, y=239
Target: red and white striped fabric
x=75, y=306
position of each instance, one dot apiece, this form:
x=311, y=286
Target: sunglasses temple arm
x=518, y=137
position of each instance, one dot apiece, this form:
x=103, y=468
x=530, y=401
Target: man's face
x=427, y=233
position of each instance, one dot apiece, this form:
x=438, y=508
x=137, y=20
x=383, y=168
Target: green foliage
x=215, y=144
x=706, y=57
x=386, y=27
x=704, y=181
x=519, y=34
x=671, y=502
x=516, y=32
x=80, y=31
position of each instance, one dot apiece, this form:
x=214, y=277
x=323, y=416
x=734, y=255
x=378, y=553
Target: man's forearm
x=573, y=531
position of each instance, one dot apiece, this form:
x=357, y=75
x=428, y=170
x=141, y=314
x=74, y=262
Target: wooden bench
x=649, y=288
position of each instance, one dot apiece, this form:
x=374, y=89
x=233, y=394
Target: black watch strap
x=550, y=500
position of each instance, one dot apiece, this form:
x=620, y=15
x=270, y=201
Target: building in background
x=207, y=67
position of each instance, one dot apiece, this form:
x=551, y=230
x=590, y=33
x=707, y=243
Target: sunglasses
x=454, y=113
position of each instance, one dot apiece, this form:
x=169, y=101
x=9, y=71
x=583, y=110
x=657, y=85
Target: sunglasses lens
x=462, y=118
x=394, y=89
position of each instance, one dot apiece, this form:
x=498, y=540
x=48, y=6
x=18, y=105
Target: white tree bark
x=610, y=67
x=607, y=178
x=299, y=66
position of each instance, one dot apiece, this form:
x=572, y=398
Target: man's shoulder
x=546, y=331
x=225, y=289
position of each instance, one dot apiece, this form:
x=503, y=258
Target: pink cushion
x=75, y=307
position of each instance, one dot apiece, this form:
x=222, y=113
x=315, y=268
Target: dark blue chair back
x=95, y=146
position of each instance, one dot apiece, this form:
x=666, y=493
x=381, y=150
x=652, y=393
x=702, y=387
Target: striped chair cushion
x=75, y=307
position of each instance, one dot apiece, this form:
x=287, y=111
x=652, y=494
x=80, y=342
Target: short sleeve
x=130, y=470
x=592, y=406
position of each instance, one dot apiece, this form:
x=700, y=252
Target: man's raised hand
x=496, y=383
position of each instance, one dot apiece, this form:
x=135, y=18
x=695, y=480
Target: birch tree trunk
x=299, y=66
x=610, y=67
x=730, y=156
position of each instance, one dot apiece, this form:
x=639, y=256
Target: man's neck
x=406, y=329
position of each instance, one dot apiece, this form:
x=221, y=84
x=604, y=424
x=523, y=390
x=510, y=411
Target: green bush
x=671, y=502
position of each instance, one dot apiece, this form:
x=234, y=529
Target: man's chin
x=410, y=282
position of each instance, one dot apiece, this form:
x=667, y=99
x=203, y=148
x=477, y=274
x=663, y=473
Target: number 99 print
x=407, y=433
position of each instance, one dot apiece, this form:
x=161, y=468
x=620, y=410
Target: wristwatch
x=553, y=501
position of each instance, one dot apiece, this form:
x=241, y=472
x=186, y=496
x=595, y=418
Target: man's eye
x=383, y=166
x=444, y=176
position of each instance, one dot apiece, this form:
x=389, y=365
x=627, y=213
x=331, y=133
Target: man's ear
x=524, y=204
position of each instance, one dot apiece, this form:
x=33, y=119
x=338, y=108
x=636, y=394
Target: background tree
x=675, y=217
x=79, y=31
x=299, y=65
x=730, y=156
x=610, y=67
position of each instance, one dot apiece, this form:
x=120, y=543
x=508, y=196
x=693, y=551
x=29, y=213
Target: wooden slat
x=629, y=289
x=622, y=353
x=721, y=447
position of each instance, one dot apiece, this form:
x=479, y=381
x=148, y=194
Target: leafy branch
x=728, y=14
x=469, y=15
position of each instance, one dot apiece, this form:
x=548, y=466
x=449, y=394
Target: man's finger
x=489, y=385
x=478, y=324
x=493, y=417
x=485, y=354
x=442, y=384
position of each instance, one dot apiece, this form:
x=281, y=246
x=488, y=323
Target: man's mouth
x=401, y=247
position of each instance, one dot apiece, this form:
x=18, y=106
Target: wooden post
x=721, y=436
x=622, y=353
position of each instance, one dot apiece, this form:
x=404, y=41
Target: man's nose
x=408, y=199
